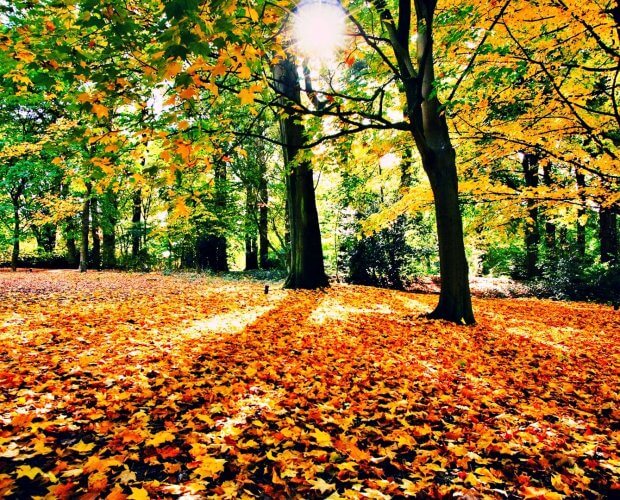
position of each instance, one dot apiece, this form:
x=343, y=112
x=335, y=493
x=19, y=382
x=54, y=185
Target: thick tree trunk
x=95, y=256
x=136, y=223
x=581, y=214
x=85, y=230
x=430, y=131
x=263, y=218
x=454, y=298
x=532, y=235
x=306, y=254
x=16, y=236
x=608, y=234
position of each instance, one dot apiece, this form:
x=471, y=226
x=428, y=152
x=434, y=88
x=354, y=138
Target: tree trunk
x=109, y=219
x=84, y=230
x=251, y=250
x=454, y=298
x=581, y=215
x=16, y=235
x=95, y=256
x=532, y=235
x=220, y=262
x=73, y=254
x=306, y=254
x=263, y=221
x=430, y=131
x=136, y=225
x=550, y=239
x=608, y=234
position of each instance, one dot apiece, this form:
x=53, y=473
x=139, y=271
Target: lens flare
x=319, y=29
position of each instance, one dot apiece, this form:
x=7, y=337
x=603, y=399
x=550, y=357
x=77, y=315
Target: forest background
x=147, y=135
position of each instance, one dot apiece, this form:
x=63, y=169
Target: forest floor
x=143, y=385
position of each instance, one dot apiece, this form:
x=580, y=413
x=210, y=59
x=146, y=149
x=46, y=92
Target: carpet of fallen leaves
x=136, y=386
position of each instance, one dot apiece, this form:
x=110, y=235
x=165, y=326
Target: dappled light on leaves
x=145, y=386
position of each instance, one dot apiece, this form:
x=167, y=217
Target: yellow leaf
x=321, y=485
x=84, y=97
x=172, y=70
x=29, y=472
x=82, y=447
x=252, y=14
x=246, y=96
x=210, y=467
x=159, y=438
x=100, y=110
x=25, y=55
x=322, y=438
x=139, y=494
x=244, y=72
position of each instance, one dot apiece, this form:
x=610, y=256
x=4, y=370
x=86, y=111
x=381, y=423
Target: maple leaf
x=246, y=96
x=210, y=467
x=29, y=472
x=172, y=69
x=139, y=494
x=244, y=72
x=159, y=438
x=322, y=438
x=188, y=93
x=82, y=447
x=100, y=110
x=321, y=485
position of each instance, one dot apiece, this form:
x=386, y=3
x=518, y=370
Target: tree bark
x=109, y=219
x=306, y=253
x=136, y=223
x=251, y=244
x=608, y=234
x=581, y=214
x=84, y=229
x=532, y=235
x=550, y=237
x=263, y=220
x=430, y=132
x=73, y=253
x=16, y=235
x=454, y=298
x=95, y=256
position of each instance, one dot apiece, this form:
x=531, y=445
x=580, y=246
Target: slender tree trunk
x=136, y=223
x=95, y=256
x=263, y=221
x=306, y=257
x=532, y=235
x=109, y=218
x=581, y=215
x=608, y=234
x=84, y=229
x=16, y=235
x=251, y=246
x=221, y=200
x=550, y=230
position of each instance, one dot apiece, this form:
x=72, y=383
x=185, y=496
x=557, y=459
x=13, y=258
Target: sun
x=319, y=29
